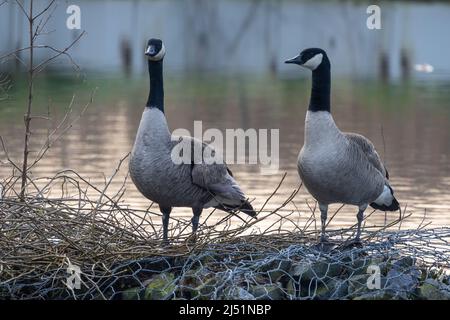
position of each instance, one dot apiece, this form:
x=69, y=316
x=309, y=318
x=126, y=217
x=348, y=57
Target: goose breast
x=339, y=173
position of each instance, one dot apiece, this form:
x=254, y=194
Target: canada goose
x=198, y=184
x=338, y=167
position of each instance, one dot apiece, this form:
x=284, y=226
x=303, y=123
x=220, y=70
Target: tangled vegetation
x=70, y=230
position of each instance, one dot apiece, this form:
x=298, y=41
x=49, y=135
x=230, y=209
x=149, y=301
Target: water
x=224, y=67
x=413, y=117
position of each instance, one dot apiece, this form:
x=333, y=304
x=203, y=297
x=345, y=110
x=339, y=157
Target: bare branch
x=24, y=11
x=14, y=52
x=5, y=150
x=44, y=10
x=20, y=60
x=40, y=66
x=52, y=137
x=40, y=28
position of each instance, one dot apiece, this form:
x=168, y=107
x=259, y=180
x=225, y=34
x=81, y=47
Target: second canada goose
x=338, y=167
x=198, y=184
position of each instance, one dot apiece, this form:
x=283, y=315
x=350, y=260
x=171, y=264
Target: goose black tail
x=244, y=207
x=386, y=201
x=247, y=208
x=393, y=207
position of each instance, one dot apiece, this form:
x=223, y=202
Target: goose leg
x=360, y=217
x=165, y=220
x=323, y=218
x=197, y=212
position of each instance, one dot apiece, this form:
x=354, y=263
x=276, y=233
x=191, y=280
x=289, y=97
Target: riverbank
x=72, y=240
x=245, y=271
x=405, y=264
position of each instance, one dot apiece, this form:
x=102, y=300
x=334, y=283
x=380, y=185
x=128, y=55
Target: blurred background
x=224, y=66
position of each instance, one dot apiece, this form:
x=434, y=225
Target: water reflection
x=413, y=119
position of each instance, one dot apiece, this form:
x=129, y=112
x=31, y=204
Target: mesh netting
x=85, y=244
x=244, y=271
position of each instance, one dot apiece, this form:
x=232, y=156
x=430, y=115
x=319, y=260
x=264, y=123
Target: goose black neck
x=156, y=95
x=320, y=90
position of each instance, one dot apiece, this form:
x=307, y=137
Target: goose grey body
x=177, y=185
x=334, y=165
x=338, y=167
x=152, y=170
x=197, y=184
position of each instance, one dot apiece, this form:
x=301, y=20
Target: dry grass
x=65, y=220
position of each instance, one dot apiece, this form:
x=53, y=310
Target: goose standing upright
x=338, y=167
x=198, y=184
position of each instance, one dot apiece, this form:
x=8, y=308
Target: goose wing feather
x=369, y=151
x=213, y=177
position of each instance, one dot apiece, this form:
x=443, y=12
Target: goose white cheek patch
x=314, y=62
x=159, y=56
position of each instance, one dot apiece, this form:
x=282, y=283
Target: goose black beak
x=295, y=60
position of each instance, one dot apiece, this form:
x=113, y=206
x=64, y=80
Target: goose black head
x=310, y=58
x=155, y=50
x=316, y=59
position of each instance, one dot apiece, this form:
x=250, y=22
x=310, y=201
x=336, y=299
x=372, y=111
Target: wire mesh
x=85, y=244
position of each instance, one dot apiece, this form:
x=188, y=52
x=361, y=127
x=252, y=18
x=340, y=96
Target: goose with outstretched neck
x=335, y=166
x=198, y=183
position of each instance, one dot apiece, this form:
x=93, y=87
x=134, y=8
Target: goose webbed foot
x=192, y=239
x=165, y=242
x=324, y=244
x=354, y=243
x=324, y=238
